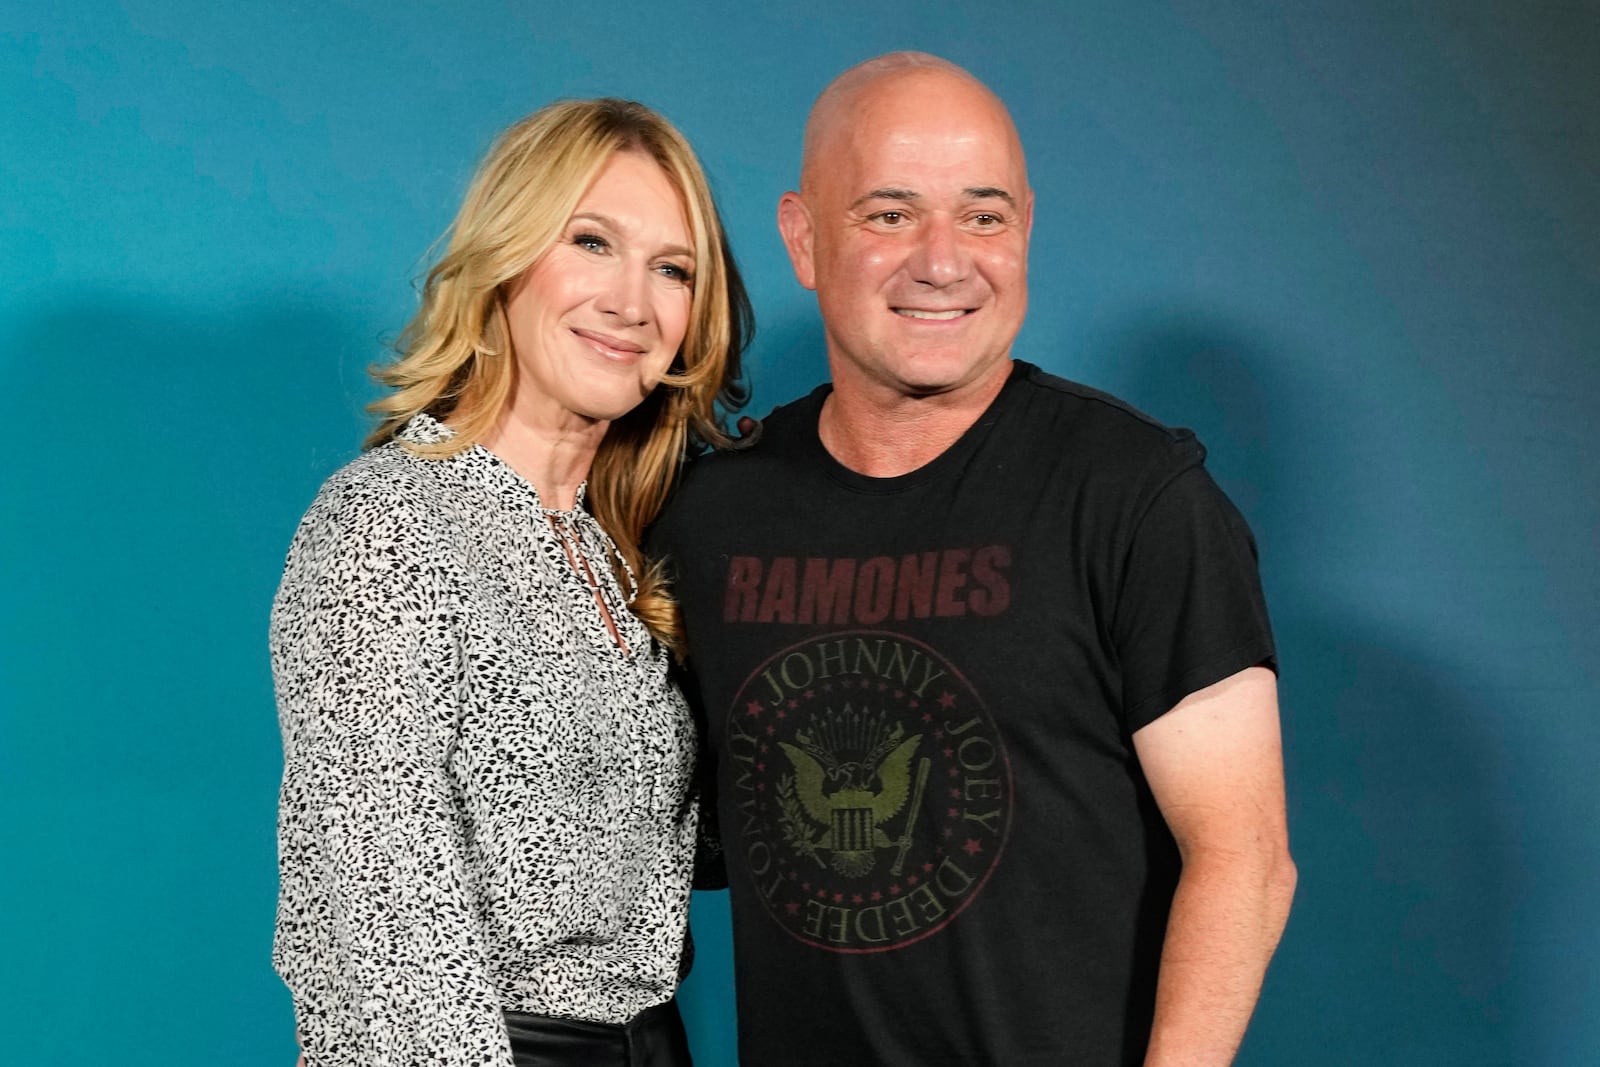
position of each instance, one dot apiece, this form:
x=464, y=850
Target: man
x=982, y=653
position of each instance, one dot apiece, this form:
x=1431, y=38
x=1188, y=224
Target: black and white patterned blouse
x=486, y=801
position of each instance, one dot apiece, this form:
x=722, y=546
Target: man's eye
x=890, y=218
x=986, y=219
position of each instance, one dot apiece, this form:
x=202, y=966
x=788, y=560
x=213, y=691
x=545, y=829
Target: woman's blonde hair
x=455, y=359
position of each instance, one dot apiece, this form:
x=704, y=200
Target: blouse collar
x=424, y=429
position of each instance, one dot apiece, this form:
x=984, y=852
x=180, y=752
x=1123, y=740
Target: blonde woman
x=486, y=828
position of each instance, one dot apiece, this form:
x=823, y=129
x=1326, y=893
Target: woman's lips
x=608, y=345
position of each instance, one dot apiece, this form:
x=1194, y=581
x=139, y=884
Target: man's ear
x=794, y=223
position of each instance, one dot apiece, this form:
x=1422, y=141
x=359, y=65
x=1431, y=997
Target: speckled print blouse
x=486, y=801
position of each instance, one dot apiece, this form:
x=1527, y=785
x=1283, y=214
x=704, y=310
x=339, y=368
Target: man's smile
x=936, y=316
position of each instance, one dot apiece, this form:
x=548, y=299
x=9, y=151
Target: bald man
x=983, y=656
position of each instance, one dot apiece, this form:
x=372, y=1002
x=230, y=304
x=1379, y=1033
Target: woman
x=486, y=826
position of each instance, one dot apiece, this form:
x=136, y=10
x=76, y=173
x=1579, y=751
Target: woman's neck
x=553, y=455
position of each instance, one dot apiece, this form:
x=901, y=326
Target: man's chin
x=941, y=374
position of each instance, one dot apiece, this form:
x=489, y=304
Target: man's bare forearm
x=1227, y=916
x=1215, y=765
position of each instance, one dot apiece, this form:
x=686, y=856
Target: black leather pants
x=654, y=1038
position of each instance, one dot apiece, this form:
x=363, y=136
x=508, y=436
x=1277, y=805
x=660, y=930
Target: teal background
x=1355, y=245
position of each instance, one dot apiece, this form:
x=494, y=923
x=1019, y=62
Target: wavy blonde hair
x=455, y=360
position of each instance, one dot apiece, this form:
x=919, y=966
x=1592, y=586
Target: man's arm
x=1215, y=765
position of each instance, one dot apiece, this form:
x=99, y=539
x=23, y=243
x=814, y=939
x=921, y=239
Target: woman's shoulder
x=385, y=497
x=381, y=480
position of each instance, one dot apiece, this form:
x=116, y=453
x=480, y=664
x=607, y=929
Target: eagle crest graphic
x=852, y=775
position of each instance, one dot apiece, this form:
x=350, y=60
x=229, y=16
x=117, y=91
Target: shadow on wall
x=788, y=359
x=162, y=454
x=1399, y=946
x=166, y=452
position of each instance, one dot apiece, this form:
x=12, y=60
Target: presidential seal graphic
x=872, y=789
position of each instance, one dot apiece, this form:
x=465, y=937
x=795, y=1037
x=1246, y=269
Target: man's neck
x=883, y=434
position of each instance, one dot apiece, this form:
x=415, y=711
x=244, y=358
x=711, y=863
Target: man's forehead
x=912, y=116
x=925, y=154
x=925, y=78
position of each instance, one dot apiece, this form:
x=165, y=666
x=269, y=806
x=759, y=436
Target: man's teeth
x=913, y=313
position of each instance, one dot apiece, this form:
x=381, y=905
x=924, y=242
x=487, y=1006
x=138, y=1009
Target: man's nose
x=940, y=257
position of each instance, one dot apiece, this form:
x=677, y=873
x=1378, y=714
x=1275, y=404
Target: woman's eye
x=590, y=242
x=676, y=273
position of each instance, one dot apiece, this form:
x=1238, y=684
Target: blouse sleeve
x=379, y=936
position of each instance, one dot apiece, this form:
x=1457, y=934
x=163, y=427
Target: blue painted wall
x=1355, y=245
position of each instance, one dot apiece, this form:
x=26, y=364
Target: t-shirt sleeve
x=1190, y=610
x=378, y=934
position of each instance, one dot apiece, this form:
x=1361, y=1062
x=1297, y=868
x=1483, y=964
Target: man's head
x=911, y=224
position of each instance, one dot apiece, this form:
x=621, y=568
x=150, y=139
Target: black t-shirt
x=920, y=694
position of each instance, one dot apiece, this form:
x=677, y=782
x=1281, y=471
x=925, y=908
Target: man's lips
x=609, y=345
x=932, y=315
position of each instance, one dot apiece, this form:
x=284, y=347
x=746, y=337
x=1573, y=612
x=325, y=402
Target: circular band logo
x=873, y=792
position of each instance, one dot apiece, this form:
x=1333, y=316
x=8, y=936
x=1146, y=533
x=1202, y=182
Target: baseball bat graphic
x=911, y=819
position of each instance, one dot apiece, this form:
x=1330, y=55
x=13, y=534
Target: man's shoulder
x=780, y=437
x=1054, y=396
x=1107, y=432
x=713, y=482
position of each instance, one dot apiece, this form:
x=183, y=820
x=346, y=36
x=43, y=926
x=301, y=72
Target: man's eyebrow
x=988, y=192
x=887, y=193
x=972, y=192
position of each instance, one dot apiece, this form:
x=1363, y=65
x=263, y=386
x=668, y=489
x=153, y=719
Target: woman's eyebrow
x=609, y=223
x=591, y=216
